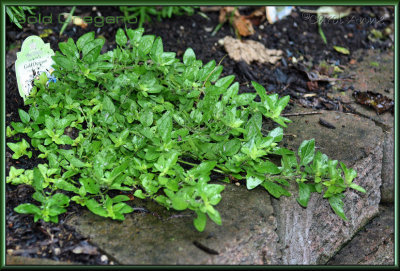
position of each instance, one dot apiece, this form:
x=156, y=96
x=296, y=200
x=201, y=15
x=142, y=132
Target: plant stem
x=68, y=20
x=193, y=164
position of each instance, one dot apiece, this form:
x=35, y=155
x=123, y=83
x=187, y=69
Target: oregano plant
x=139, y=120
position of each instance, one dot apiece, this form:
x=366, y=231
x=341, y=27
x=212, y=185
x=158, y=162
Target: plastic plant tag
x=277, y=13
x=34, y=59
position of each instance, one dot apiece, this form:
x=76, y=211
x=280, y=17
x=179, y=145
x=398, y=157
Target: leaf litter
x=375, y=100
x=250, y=50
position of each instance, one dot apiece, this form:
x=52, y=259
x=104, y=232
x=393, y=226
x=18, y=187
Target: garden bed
x=295, y=35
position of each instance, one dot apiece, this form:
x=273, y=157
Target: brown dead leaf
x=352, y=61
x=375, y=100
x=257, y=16
x=225, y=13
x=243, y=26
x=250, y=50
x=76, y=20
x=312, y=85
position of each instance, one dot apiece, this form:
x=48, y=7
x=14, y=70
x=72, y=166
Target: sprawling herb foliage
x=138, y=119
x=144, y=13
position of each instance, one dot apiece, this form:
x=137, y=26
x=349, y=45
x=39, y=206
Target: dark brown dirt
x=296, y=35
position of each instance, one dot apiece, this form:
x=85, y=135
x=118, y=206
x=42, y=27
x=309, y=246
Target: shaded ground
x=296, y=35
x=374, y=244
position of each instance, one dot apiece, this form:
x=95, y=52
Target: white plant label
x=33, y=60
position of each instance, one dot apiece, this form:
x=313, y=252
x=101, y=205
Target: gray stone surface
x=254, y=230
x=373, y=245
x=18, y=260
x=312, y=235
x=381, y=80
x=387, y=189
x=247, y=236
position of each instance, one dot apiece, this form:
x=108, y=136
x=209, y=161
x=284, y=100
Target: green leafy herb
x=138, y=120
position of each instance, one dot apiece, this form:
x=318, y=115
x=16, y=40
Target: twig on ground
x=301, y=114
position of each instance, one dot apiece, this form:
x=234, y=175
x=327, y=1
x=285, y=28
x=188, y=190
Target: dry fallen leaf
x=257, y=16
x=352, y=61
x=243, y=26
x=76, y=20
x=250, y=50
x=375, y=100
x=312, y=86
x=225, y=13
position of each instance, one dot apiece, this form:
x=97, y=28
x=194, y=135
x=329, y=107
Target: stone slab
x=247, y=234
x=255, y=230
x=373, y=245
x=312, y=235
x=19, y=260
x=379, y=79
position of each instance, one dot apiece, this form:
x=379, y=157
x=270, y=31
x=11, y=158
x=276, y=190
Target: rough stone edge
x=387, y=188
x=321, y=253
x=15, y=261
x=263, y=238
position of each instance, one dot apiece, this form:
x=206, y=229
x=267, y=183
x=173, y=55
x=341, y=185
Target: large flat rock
x=375, y=72
x=247, y=234
x=312, y=235
x=373, y=245
x=255, y=228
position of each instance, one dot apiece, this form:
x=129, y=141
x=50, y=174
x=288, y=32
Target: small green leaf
x=224, y=82
x=135, y=35
x=267, y=167
x=84, y=39
x=253, y=181
x=341, y=50
x=28, y=208
x=276, y=134
x=37, y=179
x=179, y=203
x=189, y=57
x=59, y=199
x=304, y=194
x=200, y=221
x=139, y=194
x=25, y=118
x=91, y=50
x=121, y=38
x=231, y=147
x=19, y=149
x=260, y=90
x=157, y=50
x=146, y=117
x=337, y=205
x=64, y=185
x=275, y=190
x=90, y=185
x=349, y=173
x=357, y=187
x=63, y=62
x=108, y=105
x=164, y=126
x=69, y=49
x=145, y=44
x=96, y=208
x=120, y=198
x=214, y=215
x=306, y=151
